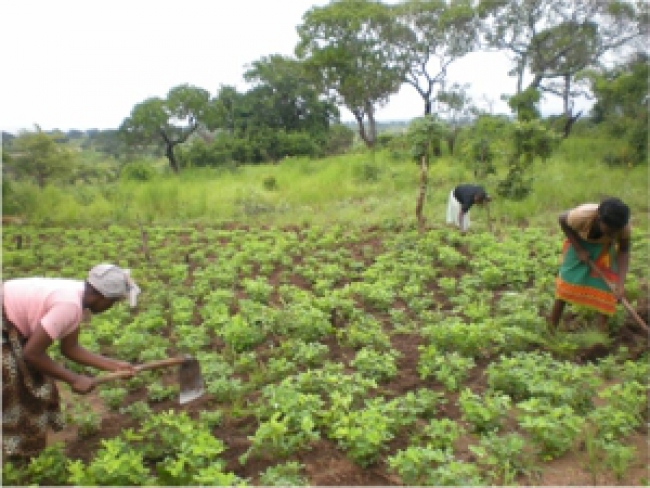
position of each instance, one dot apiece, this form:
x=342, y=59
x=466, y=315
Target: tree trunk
x=372, y=125
x=424, y=179
x=451, y=140
x=169, y=152
x=369, y=137
x=568, y=125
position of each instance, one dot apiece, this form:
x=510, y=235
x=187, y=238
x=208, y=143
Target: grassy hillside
x=361, y=187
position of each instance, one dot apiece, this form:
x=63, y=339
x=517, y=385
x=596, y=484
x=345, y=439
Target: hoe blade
x=190, y=381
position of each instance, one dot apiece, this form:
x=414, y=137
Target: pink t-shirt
x=54, y=303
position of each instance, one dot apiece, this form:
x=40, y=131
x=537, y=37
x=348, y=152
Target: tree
x=554, y=40
x=226, y=109
x=457, y=105
x=622, y=104
x=37, y=155
x=293, y=101
x=439, y=32
x=170, y=121
x=425, y=135
x=343, y=46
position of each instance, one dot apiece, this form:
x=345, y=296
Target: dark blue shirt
x=465, y=195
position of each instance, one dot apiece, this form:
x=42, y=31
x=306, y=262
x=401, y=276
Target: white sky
x=82, y=64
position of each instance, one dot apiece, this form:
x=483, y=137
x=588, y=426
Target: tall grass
x=362, y=187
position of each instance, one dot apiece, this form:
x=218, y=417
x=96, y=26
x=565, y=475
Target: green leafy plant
x=286, y=474
x=115, y=464
x=88, y=421
x=451, y=369
x=433, y=467
x=241, y=335
x=49, y=467
x=158, y=392
x=505, y=456
x=441, y=433
x=553, y=429
x=139, y=410
x=377, y=365
x=485, y=413
x=113, y=397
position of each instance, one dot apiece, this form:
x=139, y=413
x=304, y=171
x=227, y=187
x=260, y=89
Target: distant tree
x=109, y=142
x=456, y=104
x=425, y=136
x=7, y=137
x=169, y=121
x=554, y=40
x=36, y=155
x=622, y=98
x=292, y=101
x=343, y=45
x=439, y=33
x=74, y=134
x=227, y=109
x=340, y=139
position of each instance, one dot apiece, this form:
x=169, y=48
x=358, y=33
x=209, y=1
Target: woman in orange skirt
x=599, y=233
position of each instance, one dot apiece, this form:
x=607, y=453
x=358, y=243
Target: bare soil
x=325, y=464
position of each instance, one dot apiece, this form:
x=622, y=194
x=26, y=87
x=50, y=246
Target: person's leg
x=556, y=313
x=603, y=324
x=452, y=209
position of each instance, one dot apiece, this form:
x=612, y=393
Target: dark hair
x=482, y=195
x=614, y=213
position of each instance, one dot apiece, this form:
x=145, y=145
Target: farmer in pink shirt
x=35, y=313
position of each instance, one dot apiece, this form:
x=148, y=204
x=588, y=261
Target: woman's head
x=482, y=197
x=107, y=284
x=614, y=214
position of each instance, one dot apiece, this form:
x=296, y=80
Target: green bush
x=138, y=171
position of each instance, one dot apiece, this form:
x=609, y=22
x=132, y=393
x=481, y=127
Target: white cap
x=114, y=282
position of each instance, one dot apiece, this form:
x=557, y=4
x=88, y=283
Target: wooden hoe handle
x=625, y=303
x=162, y=363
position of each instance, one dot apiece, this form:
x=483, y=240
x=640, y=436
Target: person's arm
x=573, y=237
x=71, y=349
x=35, y=353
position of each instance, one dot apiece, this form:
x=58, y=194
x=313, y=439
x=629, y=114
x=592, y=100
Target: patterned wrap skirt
x=577, y=283
x=30, y=400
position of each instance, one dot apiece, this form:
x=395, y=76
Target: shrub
x=138, y=171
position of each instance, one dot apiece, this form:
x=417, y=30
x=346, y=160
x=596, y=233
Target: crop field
x=344, y=355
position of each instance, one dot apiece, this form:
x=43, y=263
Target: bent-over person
x=461, y=199
x=36, y=312
x=599, y=233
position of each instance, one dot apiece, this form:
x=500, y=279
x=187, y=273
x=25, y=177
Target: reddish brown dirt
x=325, y=464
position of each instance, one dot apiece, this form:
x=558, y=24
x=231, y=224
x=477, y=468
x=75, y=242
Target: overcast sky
x=80, y=64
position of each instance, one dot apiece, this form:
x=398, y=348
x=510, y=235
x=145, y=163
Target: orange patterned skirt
x=577, y=283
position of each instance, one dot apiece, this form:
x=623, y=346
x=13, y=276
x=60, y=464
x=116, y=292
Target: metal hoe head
x=190, y=380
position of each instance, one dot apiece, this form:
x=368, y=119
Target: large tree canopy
x=622, y=96
x=553, y=40
x=39, y=156
x=170, y=121
x=292, y=101
x=438, y=33
x=344, y=47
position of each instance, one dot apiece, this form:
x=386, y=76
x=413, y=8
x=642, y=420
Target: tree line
x=358, y=53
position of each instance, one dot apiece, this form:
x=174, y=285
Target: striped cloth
x=577, y=283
